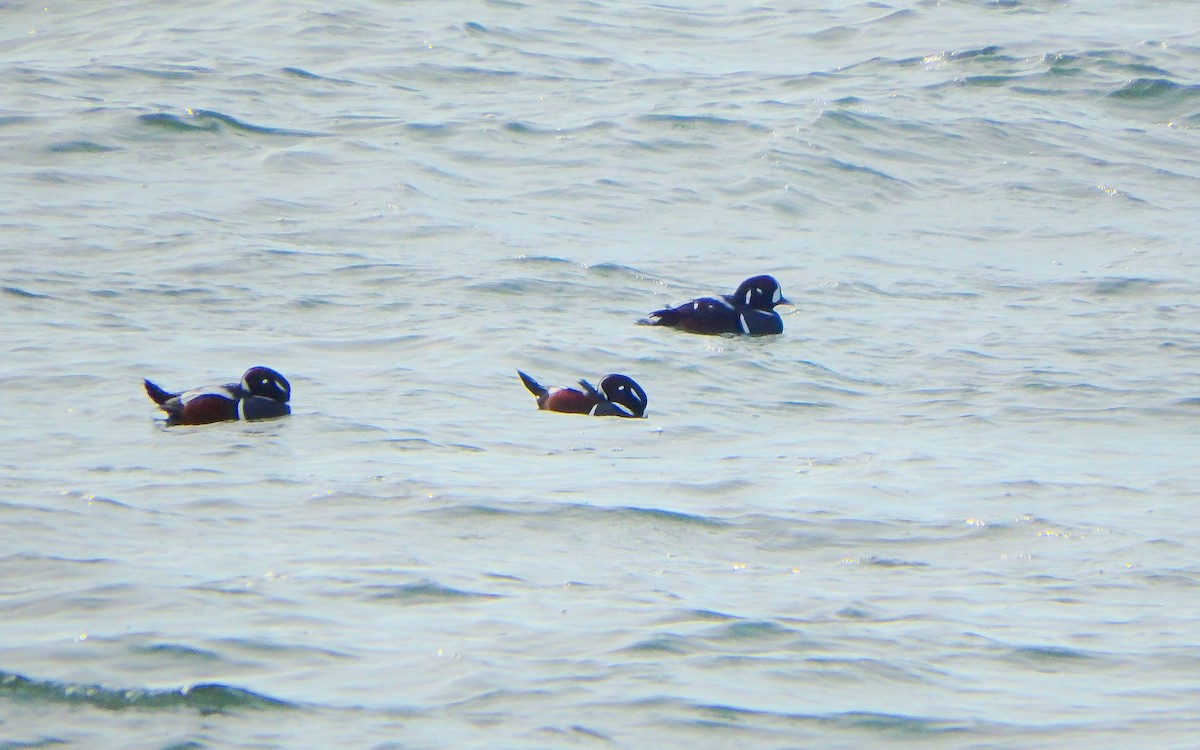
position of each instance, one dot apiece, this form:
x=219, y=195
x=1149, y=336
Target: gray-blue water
x=953, y=505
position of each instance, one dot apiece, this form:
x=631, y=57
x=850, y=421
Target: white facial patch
x=778, y=295
x=749, y=296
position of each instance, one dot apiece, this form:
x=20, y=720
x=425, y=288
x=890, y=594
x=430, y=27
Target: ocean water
x=954, y=505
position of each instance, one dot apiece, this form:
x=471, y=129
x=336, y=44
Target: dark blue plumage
x=749, y=310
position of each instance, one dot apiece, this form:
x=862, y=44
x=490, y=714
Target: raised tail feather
x=156, y=394
x=534, y=387
x=663, y=317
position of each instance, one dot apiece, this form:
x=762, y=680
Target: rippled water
x=953, y=505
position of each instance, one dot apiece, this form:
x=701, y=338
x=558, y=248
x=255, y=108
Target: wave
x=207, y=698
x=1155, y=89
x=725, y=716
x=23, y=293
x=209, y=121
x=426, y=592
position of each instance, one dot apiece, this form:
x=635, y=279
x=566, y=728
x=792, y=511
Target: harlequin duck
x=262, y=394
x=618, y=396
x=751, y=309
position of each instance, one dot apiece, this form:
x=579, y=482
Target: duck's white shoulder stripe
x=220, y=390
